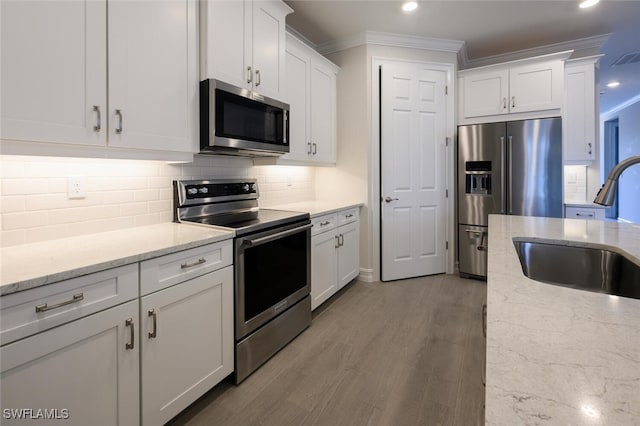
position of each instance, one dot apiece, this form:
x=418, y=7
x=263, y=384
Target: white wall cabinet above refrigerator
x=580, y=110
x=531, y=88
x=61, y=84
x=243, y=43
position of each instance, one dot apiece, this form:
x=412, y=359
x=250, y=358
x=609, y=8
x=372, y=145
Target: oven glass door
x=272, y=273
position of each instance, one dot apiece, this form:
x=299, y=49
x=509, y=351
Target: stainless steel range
x=272, y=264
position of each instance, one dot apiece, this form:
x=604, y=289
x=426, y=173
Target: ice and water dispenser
x=478, y=177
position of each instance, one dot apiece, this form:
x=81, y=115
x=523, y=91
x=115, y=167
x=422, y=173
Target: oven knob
x=245, y=187
x=254, y=187
x=192, y=191
x=203, y=190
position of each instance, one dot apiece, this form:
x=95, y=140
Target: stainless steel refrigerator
x=512, y=167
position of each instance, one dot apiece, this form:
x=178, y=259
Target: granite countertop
x=31, y=265
x=557, y=355
x=317, y=207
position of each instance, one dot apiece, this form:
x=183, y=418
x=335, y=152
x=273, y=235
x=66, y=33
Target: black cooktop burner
x=266, y=218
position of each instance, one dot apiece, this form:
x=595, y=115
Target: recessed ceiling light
x=410, y=6
x=588, y=3
x=613, y=84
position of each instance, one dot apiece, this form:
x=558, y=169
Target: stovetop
x=228, y=203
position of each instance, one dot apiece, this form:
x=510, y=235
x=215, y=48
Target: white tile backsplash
x=575, y=184
x=120, y=193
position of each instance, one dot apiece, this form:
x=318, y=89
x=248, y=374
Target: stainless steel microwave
x=237, y=121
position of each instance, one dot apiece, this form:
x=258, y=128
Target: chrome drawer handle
x=132, y=335
x=119, y=127
x=249, y=75
x=191, y=265
x=348, y=216
x=154, y=333
x=45, y=307
x=98, y=125
x=325, y=223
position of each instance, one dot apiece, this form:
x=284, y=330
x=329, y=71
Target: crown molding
x=586, y=45
x=393, y=40
x=297, y=34
x=614, y=111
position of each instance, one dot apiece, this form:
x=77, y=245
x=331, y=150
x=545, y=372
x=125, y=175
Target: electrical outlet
x=76, y=187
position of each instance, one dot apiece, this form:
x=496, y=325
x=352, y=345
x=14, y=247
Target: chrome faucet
x=607, y=193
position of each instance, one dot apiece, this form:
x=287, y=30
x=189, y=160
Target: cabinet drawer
x=32, y=311
x=324, y=223
x=165, y=271
x=584, y=213
x=348, y=216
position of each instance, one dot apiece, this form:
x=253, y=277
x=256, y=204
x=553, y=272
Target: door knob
x=389, y=199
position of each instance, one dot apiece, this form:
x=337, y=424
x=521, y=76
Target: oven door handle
x=268, y=238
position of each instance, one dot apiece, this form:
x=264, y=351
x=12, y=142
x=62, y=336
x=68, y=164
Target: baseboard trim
x=366, y=275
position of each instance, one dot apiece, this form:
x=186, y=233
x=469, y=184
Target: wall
x=628, y=146
x=628, y=192
x=119, y=193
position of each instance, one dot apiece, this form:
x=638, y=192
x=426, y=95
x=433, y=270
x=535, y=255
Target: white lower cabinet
x=587, y=213
x=335, y=254
x=83, y=372
x=186, y=335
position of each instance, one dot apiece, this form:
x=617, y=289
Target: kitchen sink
x=586, y=268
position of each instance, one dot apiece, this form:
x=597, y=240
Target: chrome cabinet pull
x=98, y=125
x=347, y=216
x=153, y=334
x=258, y=80
x=249, y=75
x=309, y=148
x=191, y=265
x=337, y=241
x=504, y=103
x=590, y=145
x=315, y=149
x=585, y=214
x=325, y=223
x=132, y=336
x=119, y=127
x=513, y=102
x=45, y=307
x=341, y=240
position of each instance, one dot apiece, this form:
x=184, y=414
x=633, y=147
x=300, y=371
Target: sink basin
x=585, y=268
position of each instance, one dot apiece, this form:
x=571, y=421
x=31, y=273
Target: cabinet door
x=192, y=348
x=324, y=264
x=225, y=41
x=297, y=96
x=486, y=93
x=579, y=126
x=535, y=87
x=268, y=47
x=348, y=253
x=322, y=108
x=54, y=64
x=152, y=74
x=84, y=367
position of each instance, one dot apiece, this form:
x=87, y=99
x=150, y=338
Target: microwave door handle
x=286, y=126
x=262, y=240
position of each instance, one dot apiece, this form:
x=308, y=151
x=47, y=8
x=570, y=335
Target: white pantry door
x=413, y=148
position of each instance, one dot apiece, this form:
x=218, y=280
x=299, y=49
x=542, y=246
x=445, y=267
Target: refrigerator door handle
x=502, y=176
x=510, y=166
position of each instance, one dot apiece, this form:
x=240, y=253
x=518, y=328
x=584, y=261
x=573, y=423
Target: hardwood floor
x=407, y=352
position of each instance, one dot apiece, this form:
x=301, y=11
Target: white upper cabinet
x=531, y=88
x=60, y=82
x=152, y=74
x=310, y=91
x=54, y=71
x=242, y=42
x=486, y=93
x=580, y=110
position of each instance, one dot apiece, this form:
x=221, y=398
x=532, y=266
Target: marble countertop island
x=555, y=355
x=32, y=265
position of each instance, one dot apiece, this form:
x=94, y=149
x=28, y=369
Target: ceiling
x=489, y=28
